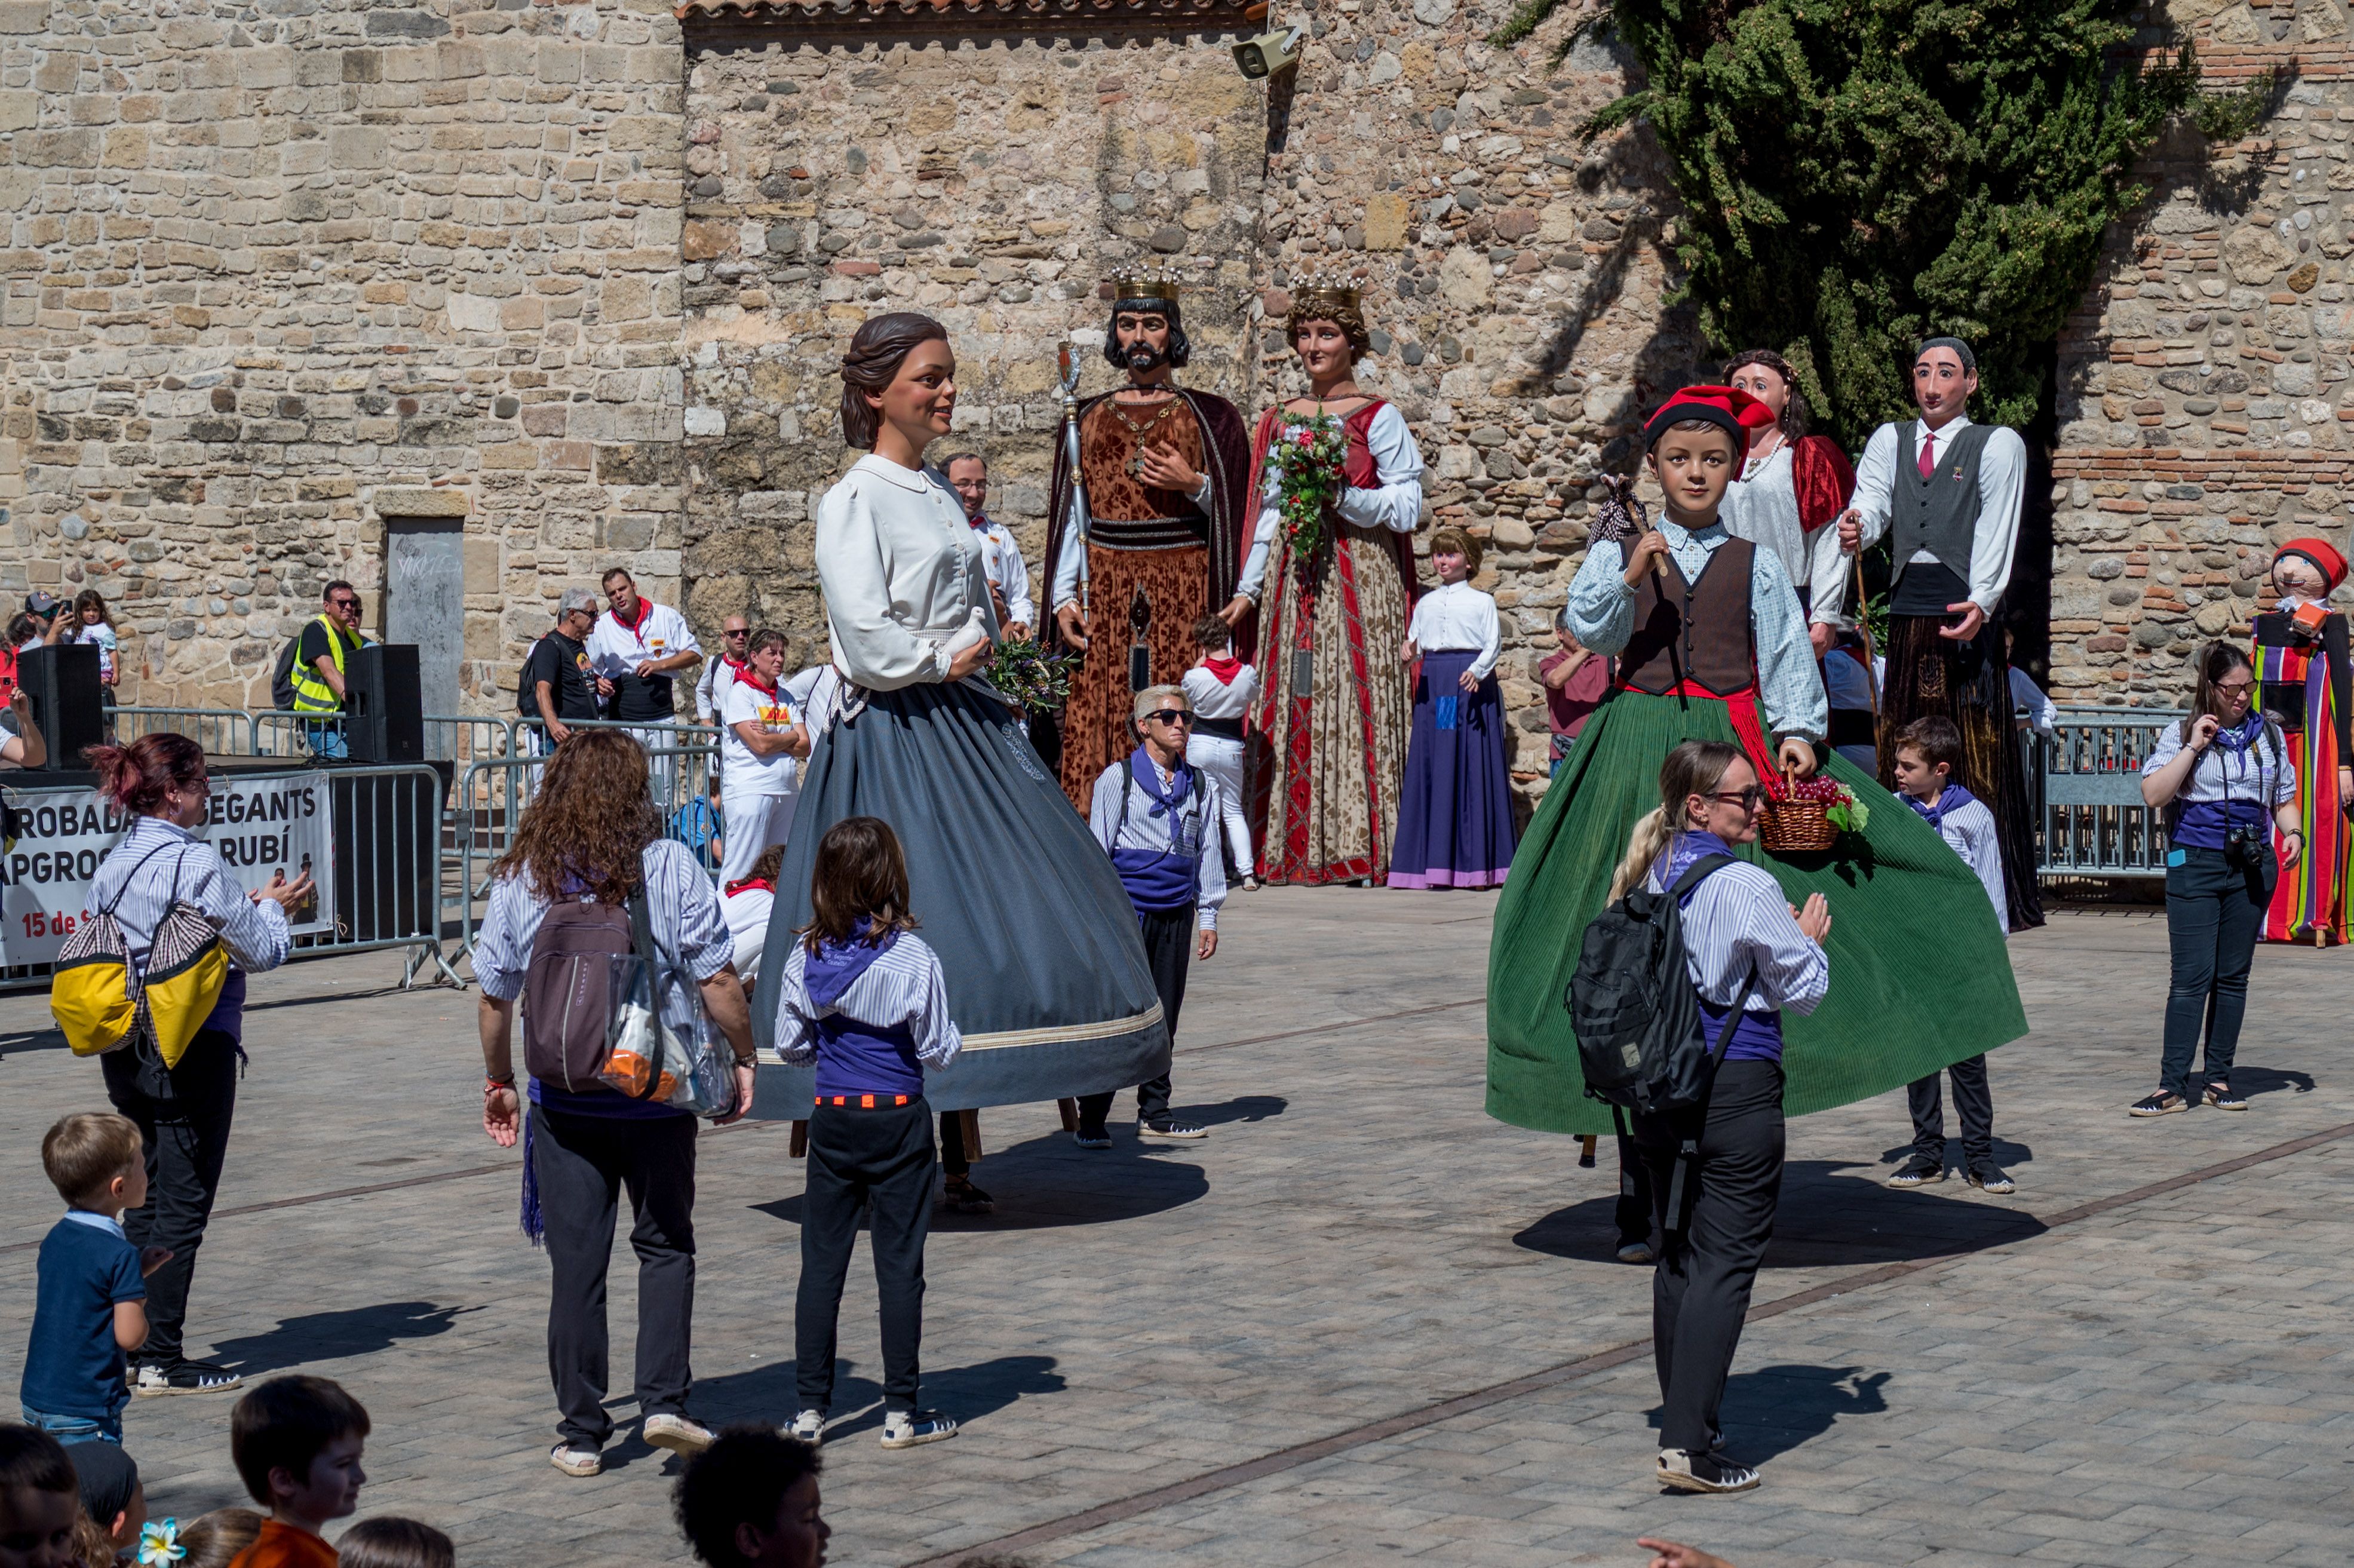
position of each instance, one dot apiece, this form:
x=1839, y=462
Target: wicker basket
x=1795, y=826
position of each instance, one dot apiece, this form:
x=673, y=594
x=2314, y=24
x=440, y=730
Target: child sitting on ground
x=1927, y=751
x=214, y=1539
x=750, y=1500
x=864, y=997
x=296, y=1442
x=40, y=1507
x=1221, y=690
x=90, y=1305
x=386, y=1542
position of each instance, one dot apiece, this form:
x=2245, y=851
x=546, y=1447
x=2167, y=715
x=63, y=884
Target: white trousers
x=750, y=823
x=1222, y=759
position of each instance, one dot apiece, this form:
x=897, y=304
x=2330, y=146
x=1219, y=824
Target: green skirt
x=1920, y=975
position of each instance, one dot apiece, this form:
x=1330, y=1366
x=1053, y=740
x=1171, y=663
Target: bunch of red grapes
x=1821, y=786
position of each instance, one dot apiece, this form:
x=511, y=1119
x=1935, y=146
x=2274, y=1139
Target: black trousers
x=2214, y=912
x=880, y=1159
x=1168, y=949
x=582, y=1164
x=953, y=1159
x=1973, y=1104
x=184, y=1115
x=1633, y=1215
x=1700, y=1294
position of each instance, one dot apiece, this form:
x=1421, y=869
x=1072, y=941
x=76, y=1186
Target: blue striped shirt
x=1738, y=917
x=681, y=907
x=906, y=985
x=174, y=858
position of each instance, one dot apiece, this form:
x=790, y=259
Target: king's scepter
x=1078, y=521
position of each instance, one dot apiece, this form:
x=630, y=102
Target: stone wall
x=275, y=273
x=991, y=181
x=2204, y=386
x=1514, y=273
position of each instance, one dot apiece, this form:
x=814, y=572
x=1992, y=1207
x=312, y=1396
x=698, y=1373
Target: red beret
x=2331, y=564
x=1728, y=408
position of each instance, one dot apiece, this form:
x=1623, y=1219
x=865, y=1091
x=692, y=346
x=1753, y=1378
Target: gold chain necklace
x=1135, y=464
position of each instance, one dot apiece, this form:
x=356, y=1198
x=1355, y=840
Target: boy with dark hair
x=1927, y=751
x=90, y=1305
x=750, y=1500
x=296, y=1442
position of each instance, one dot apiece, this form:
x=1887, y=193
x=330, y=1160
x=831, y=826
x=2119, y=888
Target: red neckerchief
x=981, y=522
x=753, y=680
x=733, y=662
x=760, y=882
x=645, y=610
x=1226, y=670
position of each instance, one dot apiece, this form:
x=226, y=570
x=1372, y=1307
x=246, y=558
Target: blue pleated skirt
x=1046, y=973
x=1454, y=807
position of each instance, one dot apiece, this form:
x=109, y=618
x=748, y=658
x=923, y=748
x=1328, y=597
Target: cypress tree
x=1858, y=174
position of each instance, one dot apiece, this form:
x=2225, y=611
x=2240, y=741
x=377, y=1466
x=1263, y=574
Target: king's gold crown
x=1154, y=284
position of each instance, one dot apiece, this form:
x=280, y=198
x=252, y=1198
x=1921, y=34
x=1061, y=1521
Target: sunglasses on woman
x=1171, y=716
x=1746, y=799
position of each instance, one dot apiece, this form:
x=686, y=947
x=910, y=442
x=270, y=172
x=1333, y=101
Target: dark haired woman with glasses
x=2225, y=778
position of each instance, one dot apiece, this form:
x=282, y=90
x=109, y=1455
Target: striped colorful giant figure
x=2303, y=675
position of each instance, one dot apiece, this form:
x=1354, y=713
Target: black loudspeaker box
x=384, y=716
x=62, y=680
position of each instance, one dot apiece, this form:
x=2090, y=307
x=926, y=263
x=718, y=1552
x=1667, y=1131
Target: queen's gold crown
x=1154, y=284
x=1329, y=288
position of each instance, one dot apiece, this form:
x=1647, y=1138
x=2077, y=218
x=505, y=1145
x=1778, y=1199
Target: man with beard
x=1164, y=473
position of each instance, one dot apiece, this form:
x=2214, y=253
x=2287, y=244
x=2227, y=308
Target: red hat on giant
x=1729, y=408
x=2328, y=562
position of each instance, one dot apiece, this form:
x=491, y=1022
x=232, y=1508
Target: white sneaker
x=576, y=1461
x=676, y=1433
x=808, y=1426
x=905, y=1429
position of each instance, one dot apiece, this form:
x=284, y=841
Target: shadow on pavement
x=969, y=1394
x=333, y=1336
x=1052, y=1182
x=2253, y=1081
x=1768, y=1412
x=1243, y=1107
x=1828, y=1218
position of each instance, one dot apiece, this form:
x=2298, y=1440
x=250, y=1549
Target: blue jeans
x=72, y=1429
x=2213, y=913
x=325, y=737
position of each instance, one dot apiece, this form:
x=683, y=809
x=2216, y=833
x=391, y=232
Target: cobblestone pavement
x=2047, y=1377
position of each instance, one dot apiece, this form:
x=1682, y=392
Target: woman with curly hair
x=593, y=835
x=1790, y=487
x=1334, y=711
x=1045, y=966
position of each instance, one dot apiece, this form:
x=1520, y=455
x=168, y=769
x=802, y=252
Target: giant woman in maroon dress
x=1328, y=749
x=1156, y=543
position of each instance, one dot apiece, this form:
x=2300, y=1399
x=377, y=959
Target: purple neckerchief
x=836, y=967
x=1689, y=847
x=2242, y=735
x=1148, y=773
x=1952, y=799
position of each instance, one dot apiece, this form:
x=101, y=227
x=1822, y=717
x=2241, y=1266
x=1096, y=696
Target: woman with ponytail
x=1040, y=948
x=183, y=1110
x=1711, y=645
x=1746, y=946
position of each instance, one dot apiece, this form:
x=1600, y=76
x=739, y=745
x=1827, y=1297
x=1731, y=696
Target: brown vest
x=1702, y=628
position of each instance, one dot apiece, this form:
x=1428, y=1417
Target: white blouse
x=1394, y=501
x=1458, y=617
x=1214, y=698
x=1763, y=508
x=902, y=571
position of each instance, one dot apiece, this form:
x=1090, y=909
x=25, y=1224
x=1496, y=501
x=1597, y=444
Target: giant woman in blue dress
x=1046, y=975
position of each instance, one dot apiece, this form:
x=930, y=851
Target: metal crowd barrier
x=2083, y=785
x=492, y=794
x=222, y=732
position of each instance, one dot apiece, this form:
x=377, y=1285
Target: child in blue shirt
x=91, y=1302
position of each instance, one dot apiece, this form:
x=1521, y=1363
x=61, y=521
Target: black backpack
x=1636, y=1015
x=282, y=674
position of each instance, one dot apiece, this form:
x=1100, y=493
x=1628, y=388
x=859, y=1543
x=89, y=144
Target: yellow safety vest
x=311, y=692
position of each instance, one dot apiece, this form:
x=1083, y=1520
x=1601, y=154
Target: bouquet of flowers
x=1032, y=678
x=1309, y=451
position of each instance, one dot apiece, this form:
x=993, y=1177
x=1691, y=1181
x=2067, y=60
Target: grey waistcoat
x=1939, y=513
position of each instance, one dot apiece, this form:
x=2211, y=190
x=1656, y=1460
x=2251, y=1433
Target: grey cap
x=39, y=603
x=576, y=598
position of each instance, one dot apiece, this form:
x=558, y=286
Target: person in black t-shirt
x=557, y=686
